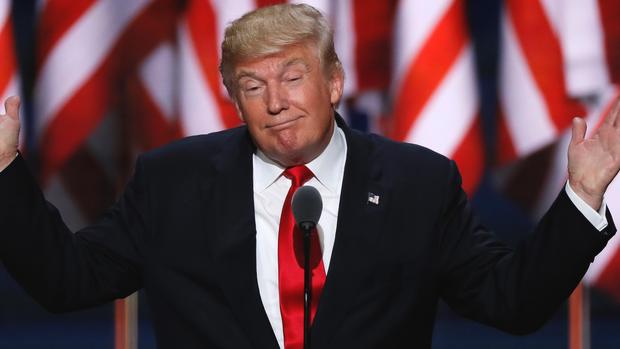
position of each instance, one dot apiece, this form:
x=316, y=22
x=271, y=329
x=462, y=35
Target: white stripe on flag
x=524, y=107
x=5, y=9
x=450, y=111
x=583, y=48
x=415, y=21
x=199, y=112
x=345, y=44
x=157, y=75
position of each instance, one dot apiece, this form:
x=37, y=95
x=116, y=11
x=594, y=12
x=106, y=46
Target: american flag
x=435, y=103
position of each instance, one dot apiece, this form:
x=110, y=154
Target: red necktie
x=291, y=266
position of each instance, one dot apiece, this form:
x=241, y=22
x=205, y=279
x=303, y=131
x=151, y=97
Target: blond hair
x=269, y=30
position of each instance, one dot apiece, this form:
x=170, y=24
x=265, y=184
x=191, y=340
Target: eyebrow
x=295, y=61
x=289, y=63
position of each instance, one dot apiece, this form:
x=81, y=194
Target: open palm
x=594, y=162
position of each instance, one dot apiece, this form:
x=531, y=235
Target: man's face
x=286, y=101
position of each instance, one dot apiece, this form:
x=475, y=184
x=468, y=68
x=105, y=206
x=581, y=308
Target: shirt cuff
x=597, y=219
x=9, y=164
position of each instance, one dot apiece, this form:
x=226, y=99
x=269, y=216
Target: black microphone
x=307, y=206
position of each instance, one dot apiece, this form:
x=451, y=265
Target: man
x=204, y=224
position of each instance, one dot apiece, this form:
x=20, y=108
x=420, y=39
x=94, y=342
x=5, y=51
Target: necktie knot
x=298, y=175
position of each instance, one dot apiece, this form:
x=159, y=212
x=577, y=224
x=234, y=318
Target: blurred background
x=492, y=84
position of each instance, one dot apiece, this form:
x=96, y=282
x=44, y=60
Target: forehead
x=292, y=56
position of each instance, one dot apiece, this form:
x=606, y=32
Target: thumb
x=579, y=131
x=12, y=107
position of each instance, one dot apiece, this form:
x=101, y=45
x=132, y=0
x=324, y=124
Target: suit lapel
x=363, y=203
x=233, y=243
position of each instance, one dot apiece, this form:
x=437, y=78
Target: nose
x=277, y=99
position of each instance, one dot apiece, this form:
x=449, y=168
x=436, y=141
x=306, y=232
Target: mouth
x=281, y=125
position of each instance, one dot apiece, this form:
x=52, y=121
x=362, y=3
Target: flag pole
x=579, y=318
x=126, y=322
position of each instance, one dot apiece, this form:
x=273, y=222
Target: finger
x=11, y=105
x=614, y=114
x=579, y=131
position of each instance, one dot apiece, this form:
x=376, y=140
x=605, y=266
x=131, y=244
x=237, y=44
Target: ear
x=238, y=109
x=336, y=86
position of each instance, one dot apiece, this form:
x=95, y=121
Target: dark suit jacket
x=184, y=231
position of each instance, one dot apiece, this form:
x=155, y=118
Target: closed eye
x=252, y=90
x=293, y=79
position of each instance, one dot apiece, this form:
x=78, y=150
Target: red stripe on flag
x=149, y=126
x=57, y=17
x=7, y=65
x=74, y=122
x=609, y=10
x=373, y=43
x=429, y=68
x=543, y=54
x=84, y=110
x=469, y=157
x=201, y=23
x=154, y=25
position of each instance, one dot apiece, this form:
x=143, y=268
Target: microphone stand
x=307, y=206
x=306, y=228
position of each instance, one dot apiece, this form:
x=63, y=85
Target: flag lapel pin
x=373, y=198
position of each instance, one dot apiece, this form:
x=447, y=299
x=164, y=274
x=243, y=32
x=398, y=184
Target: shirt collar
x=327, y=167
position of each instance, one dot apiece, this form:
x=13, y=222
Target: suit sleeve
x=61, y=270
x=518, y=289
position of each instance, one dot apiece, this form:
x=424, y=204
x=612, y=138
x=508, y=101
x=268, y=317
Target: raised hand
x=9, y=131
x=594, y=162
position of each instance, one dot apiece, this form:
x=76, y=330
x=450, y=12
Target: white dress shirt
x=270, y=189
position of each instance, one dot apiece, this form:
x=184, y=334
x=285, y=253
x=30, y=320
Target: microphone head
x=307, y=206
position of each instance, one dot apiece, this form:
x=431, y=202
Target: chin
x=288, y=157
